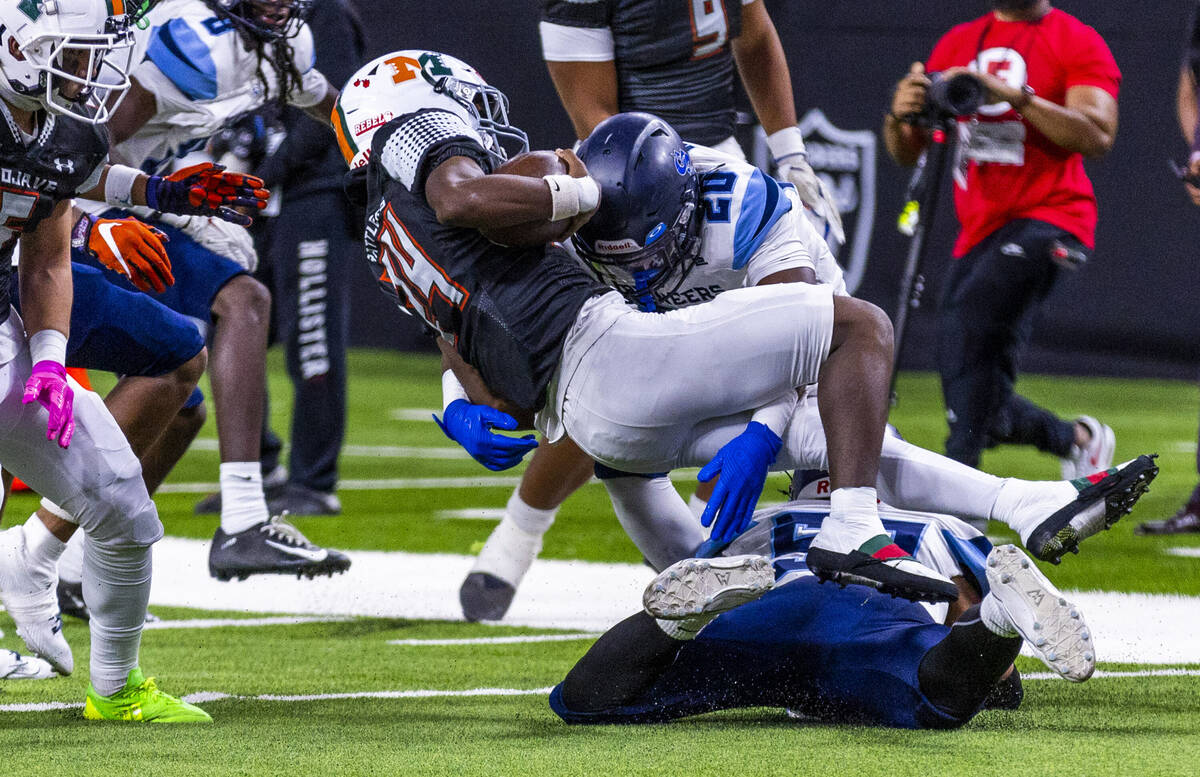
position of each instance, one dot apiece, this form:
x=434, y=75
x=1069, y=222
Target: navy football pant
x=985, y=322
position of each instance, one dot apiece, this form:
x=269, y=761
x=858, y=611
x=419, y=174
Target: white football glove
x=791, y=161
x=221, y=237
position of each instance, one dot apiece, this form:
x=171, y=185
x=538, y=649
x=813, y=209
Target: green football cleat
x=141, y=701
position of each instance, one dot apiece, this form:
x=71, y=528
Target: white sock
x=913, y=478
x=530, y=520
x=685, y=628
x=1023, y=505
x=70, y=565
x=853, y=519
x=242, y=502
x=697, y=505
x=508, y=552
x=992, y=616
x=42, y=547
x=116, y=586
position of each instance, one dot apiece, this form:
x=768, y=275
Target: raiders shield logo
x=846, y=161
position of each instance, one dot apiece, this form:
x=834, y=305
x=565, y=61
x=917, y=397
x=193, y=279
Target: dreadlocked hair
x=282, y=59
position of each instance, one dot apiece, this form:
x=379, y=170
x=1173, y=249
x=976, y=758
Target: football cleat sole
x=485, y=597
x=858, y=568
x=1096, y=508
x=707, y=586
x=1053, y=628
x=329, y=567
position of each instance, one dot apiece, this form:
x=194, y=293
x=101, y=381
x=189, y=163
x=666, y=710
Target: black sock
x=620, y=666
x=957, y=674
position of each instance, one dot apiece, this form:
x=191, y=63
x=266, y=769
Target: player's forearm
x=44, y=274
x=1078, y=130
x=764, y=72
x=588, y=91
x=120, y=186
x=904, y=142
x=1187, y=105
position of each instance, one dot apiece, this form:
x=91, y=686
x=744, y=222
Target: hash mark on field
x=514, y=640
x=472, y=514
x=411, y=414
x=1188, y=446
x=1185, y=552
x=220, y=623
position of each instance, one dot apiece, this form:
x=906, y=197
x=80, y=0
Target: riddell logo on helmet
x=375, y=121
x=623, y=246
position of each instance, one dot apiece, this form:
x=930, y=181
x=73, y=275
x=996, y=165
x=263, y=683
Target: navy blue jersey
x=506, y=310
x=64, y=158
x=672, y=56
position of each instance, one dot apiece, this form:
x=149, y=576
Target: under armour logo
x=64, y=165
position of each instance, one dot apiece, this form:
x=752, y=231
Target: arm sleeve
x=561, y=43
x=777, y=414
x=1091, y=63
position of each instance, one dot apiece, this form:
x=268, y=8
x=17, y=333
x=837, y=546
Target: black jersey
x=65, y=157
x=672, y=58
x=507, y=310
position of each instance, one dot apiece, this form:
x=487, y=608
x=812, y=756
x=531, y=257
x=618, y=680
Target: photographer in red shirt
x=1026, y=209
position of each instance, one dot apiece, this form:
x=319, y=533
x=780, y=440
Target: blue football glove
x=471, y=427
x=742, y=464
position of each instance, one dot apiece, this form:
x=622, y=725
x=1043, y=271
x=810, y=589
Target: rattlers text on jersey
x=507, y=310
x=204, y=74
x=38, y=172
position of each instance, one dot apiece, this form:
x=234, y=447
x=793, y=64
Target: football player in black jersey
x=60, y=63
x=675, y=59
x=422, y=132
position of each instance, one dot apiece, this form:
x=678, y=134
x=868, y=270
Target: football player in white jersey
x=207, y=62
x=57, y=437
x=749, y=231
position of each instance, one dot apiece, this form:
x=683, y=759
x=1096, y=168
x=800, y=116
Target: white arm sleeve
x=656, y=518
x=561, y=43
x=778, y=413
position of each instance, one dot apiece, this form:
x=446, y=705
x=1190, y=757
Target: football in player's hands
x=535, y=164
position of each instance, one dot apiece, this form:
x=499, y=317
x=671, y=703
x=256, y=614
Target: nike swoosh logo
x=312, y=555
x=246, y=478
x=228, y=543
x=106, y=234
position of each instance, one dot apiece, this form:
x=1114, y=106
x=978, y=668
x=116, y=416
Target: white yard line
x=201, y=697
x=1102, y=674
x=1185, y=552
x=514, y=640
x=412, y=413
x=584, y=597
x=209, y=445
x=472, y=514
x=221, y=623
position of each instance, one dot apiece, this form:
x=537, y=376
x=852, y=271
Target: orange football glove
x=133, y=249
x=207, y=189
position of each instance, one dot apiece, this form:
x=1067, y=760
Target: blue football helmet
x=645, y=237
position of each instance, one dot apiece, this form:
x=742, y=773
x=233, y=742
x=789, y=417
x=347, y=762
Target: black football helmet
x=267, y=20
x=645, y=237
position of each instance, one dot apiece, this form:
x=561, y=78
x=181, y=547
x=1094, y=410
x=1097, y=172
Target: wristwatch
x=1027, y=94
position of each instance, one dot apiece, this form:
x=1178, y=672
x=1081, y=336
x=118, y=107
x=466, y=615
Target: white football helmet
x=67, y=56
x=408, y=81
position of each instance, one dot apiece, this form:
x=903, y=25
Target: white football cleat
x=707, y=586
x=31, y=599
x=1052, y=627
x=1096, y=456
x=14, y=666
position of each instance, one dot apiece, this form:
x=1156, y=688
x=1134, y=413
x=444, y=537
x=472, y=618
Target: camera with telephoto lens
x=958, y=95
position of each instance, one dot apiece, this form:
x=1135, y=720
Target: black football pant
x=985, y=322
x=310, y=248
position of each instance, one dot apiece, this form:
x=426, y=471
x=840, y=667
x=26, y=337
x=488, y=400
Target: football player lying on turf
x=57, y=437
x=632, y=156
x=424, y=132
x=753, y=628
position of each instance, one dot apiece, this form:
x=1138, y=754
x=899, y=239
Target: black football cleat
x=273, y=547
x=295, y=499
x=1103, y=499
x=485, y=597
x=70, y=600
x=884, y=566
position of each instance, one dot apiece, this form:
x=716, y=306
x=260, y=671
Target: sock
x=116, y=586
x=1022, y=505
x=530, y=520
x=628, y=659
x=42, y=547
x=242, y=502
x=957, y=674
x=853, y=520
x=686, y=628
x=697, y=505
x=70, y=565
x=913, y=478
x=992, y=616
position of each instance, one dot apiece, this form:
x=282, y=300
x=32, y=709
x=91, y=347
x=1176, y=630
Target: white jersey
x=203, y=76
